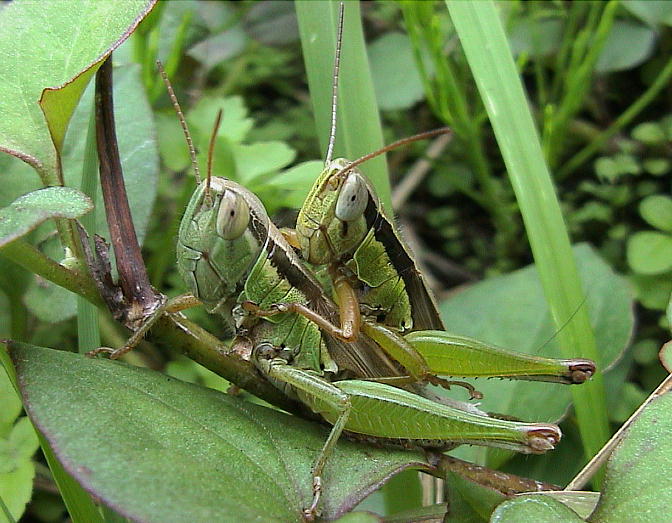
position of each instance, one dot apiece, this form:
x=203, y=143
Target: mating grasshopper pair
x=360, y=363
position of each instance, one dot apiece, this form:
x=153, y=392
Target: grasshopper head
x=221, y=236
x=331, y=222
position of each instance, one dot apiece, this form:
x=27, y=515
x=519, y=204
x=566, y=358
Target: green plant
x=509, y=310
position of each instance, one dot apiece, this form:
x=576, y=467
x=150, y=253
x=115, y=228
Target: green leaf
x=653, y=13
x=582, y=502
x=59, y=47
x=11, y=404
x=227, y=458
x=649, y=133
x=534, y=36
x=650, y=252
x=537, y=508
x=653, y=292
x=261, y=158
x=510, y=311
x=219, y=47
x=235, y=121
x=297, y=181
x=657, y=211
x=395, y=76
x=627, y=46
x=16, y=488
x=637, y=487
x=30, y=210
x=358, y=131
x=172, y=145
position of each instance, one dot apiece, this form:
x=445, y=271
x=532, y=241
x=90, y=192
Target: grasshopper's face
x=331, y=222
x=221, y=237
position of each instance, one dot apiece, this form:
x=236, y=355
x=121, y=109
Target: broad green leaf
x=653, y=292
x=395, y=75
x=30, y=210
x=272, y=23
x=637, y=486
x=627, y=46
x=510, y=311
x=228, y=459
x=219, y=47
x=540, y=509
x=59, y=46
x=16, y=488
x=653, y=13
x=17, y=448
x=650, y=252
x=657, y=211
x=235, y=121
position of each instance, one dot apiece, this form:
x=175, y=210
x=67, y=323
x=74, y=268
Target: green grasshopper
x=239, y=265
x=236, y=262
x=226, y=235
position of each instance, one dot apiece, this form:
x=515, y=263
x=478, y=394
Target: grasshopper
x=297, y=356
x=236, y=262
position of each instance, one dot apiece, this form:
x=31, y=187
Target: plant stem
x=88, y=334
x=30, y=258
x=624, y=119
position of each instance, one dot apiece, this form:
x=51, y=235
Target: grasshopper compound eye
x=233, y=216
x=352, y=198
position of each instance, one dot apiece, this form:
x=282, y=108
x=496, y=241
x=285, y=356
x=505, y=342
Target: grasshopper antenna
x=334, y=87
x=394, y=145
x=180, y=116
x=211, y=150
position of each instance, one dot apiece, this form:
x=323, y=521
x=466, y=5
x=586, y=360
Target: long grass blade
x=486, y=47
x=358, y=129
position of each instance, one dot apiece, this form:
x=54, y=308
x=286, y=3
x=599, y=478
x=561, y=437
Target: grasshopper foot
x=310, y=513
x=473, y=393
x=113, y=353
x=253, y=308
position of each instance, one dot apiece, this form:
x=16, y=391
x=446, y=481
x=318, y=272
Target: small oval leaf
x=657, y=211
x=650, y=252
x=30, y=210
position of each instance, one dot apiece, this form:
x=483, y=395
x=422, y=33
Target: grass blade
x=486, y=47
x=358, y=129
